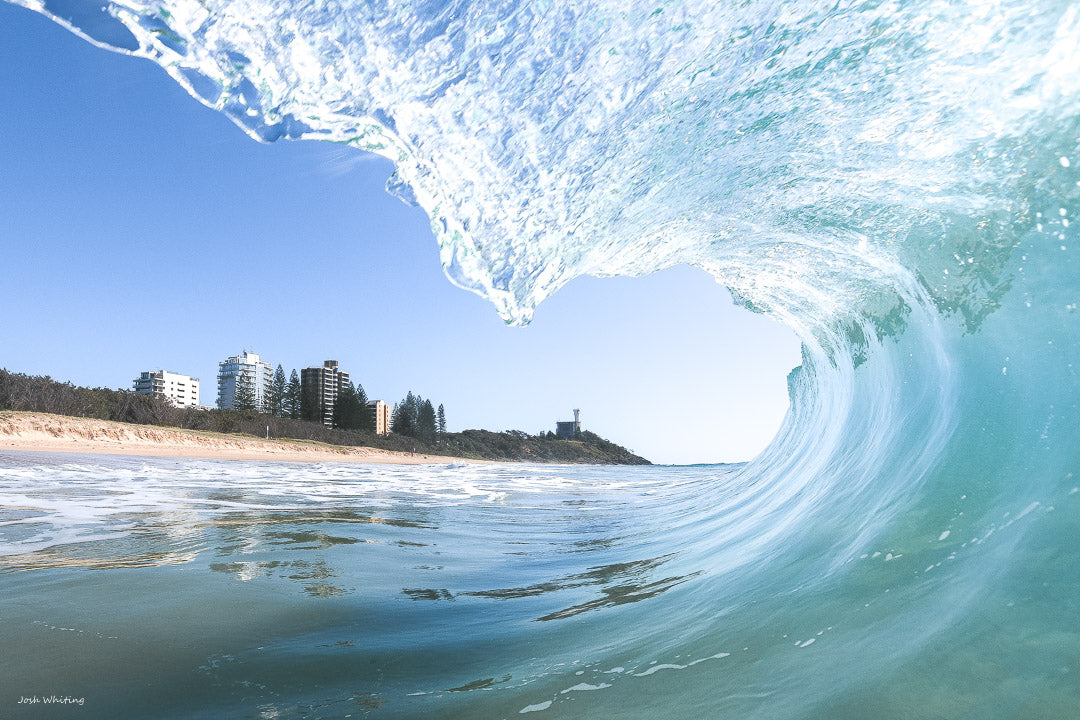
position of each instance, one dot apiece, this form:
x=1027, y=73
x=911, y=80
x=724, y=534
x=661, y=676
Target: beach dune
x=43, y=432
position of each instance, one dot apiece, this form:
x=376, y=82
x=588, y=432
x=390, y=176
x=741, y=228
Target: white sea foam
x=662, y=666
x=535, y=708
x=88, y=502
x=674, y=666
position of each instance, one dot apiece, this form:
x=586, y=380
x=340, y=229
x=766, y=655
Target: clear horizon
x=147, y=232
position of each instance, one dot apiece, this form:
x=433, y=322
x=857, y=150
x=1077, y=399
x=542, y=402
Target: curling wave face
x=895, y=182
x=797, y=154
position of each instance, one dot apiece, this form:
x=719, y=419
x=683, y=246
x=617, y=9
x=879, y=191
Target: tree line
x=44, y=394
x=40, y=393
x=416, y=417
x=291, y=399
x=281, y=399
x=413, y=417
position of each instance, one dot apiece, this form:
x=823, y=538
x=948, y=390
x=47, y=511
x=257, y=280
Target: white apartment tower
x=248, y=374
x=181, y=390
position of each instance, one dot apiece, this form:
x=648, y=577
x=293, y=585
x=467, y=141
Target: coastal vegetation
x=44, y=394
x=414, y=417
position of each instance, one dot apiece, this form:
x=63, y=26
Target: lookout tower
x=569, y=429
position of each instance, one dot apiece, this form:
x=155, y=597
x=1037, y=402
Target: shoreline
x=43, y=432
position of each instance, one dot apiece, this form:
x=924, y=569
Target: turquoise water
x=208, y=589
x=896, y=182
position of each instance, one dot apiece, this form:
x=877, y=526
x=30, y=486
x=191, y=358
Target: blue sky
x=141, y=230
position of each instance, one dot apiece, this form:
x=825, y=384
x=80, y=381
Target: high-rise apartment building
x=246, y=375
x=181, y=390
x=382, y=416
x=322, y=385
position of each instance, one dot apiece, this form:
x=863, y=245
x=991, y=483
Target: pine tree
x=244, y=398
x=401, y=420
x=426, y=424
x=348, y=412
x=275, y=398
x=310, y=403
x=291, y=403
x=367, y=414
x=441, y=419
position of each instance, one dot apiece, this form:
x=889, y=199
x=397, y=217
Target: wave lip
x=794, y=154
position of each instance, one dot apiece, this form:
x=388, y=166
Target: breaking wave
x=895, y=182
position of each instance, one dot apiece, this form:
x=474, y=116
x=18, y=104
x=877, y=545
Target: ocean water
x=896, y=182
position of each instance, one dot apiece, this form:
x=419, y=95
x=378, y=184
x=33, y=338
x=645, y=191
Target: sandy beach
x=42, y=432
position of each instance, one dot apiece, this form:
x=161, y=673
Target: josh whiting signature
x=50, y=699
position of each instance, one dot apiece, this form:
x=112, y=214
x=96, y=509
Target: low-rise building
x=181, y=390
x=382, y=416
